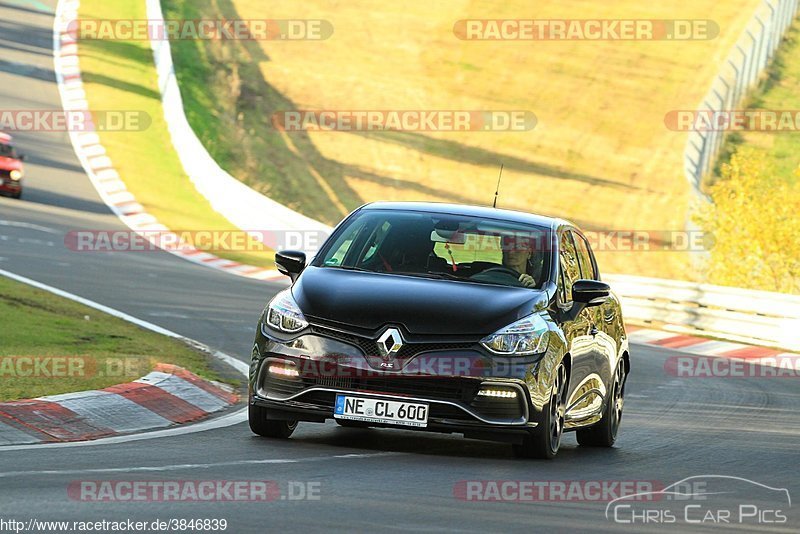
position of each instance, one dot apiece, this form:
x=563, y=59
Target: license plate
x=386, y=411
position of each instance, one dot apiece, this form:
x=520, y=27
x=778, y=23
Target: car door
x=577, y=329
x=603, y=317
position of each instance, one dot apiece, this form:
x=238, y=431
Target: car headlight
x=526, y=336
x=16, y=175
x=284, y=315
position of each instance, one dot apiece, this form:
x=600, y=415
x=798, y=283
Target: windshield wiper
x=448, y=276
x=438, y=275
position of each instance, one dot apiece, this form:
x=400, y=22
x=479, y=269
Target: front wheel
x=268, y=428
x=604, y=433
x=545, y=440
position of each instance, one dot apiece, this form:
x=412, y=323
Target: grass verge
x=756, y=189
x=600, y=154
x=120, y=75
x=780, y=90
x=50, y=345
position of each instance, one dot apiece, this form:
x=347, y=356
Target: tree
x=755, y=221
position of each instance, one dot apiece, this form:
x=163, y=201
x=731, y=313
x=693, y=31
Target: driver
x=517, y=252
x=517, y=257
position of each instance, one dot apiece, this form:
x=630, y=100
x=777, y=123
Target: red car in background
x=11, y=171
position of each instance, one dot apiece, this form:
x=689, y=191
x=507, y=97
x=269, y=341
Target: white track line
x=29, y=226
x=99, y=167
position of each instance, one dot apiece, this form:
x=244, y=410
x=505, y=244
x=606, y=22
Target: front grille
x=369, y=346
x=455, y=389
x=333, y=382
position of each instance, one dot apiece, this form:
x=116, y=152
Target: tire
x=545, y=440
x=17, y=195
x=604, y=433
x=268, y=428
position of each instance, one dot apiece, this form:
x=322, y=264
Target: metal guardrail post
x=755, y=49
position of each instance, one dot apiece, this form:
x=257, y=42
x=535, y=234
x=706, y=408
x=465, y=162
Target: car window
x=375, y=241
x=441, y=246
x=7, y=151
x=343, y=244
x=562, y=291
x=584, y=257
x=568, y=261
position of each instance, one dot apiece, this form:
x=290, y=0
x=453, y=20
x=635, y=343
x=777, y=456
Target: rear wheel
x=18, y=194
x=268, y=428
x=604, y=433
x=545, y=440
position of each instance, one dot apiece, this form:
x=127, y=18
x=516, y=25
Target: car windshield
x=7, y=151
x=442, y=246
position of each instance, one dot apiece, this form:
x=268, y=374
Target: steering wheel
x=502, y=270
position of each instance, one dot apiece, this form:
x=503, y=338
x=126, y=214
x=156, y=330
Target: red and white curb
x=99, y=167
x=168, y=396
x=700, y=346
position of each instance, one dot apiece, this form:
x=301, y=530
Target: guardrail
x=244, y=207
x=740, y=71
x=756, y=317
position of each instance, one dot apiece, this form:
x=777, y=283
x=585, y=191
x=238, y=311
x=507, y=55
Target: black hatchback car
x=480, y=321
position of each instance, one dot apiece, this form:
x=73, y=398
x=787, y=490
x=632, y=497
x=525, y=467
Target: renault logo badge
x=390, y=342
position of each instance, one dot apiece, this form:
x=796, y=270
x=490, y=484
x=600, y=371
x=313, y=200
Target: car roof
x=5, y=138
x=471, y=210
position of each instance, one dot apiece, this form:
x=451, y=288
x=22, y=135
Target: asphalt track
x=368, y=479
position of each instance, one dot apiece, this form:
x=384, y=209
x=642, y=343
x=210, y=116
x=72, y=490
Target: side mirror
x=290, y=262
x=21, y=157
x=590, y=292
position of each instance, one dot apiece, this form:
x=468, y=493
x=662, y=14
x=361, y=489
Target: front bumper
x=445, y=375
x=9, y=186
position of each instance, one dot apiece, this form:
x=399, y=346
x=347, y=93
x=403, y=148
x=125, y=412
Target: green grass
x=120, y=75
x=780, y=90
x=600, y=154
x=95, y=350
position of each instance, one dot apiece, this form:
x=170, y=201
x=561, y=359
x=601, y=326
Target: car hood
x=10, y=164
x=421, y=305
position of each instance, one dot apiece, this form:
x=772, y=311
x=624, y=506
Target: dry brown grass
x=600, y=154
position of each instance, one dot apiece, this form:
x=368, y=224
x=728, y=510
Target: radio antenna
x=497, y=191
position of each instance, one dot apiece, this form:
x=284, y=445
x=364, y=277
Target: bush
x=754, y=219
